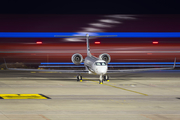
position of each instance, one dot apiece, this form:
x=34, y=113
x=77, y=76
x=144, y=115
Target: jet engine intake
x=106, y=57
x=77, y=58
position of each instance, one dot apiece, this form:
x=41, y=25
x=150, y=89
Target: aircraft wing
x=46, y=70
x=86, y=71
x=49, y=70
x=145, y=69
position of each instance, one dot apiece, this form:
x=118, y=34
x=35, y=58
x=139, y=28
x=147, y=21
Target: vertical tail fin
x=87, y=39
x=87, y=42
x=174, y=63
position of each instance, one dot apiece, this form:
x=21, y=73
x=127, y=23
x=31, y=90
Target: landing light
x=97, y=42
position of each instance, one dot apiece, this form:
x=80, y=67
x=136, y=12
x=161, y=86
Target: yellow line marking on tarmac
x=125, y=89
x=48, y=72
x=33, y=72
x=119, y=87
x=23, y=96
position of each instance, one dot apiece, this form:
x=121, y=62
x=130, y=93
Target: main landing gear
x=103, y=78
x=106, y=78
x=79, y=78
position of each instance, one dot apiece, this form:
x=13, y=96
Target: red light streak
x=155, y=42
x=97, y=42
x=38, y=42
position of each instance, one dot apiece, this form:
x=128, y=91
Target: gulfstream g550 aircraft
x=92, y=64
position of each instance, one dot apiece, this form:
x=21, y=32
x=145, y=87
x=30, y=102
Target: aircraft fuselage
x=95, y=65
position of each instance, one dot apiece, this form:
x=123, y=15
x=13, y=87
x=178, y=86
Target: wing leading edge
x=46, y=70
x=138, y=70
x=86, y=71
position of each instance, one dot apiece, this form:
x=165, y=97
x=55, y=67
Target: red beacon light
x=97, y=43
x=155, y=42
x=38, y=42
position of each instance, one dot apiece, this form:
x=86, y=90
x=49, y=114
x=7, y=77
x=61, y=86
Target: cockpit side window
x=100, y=63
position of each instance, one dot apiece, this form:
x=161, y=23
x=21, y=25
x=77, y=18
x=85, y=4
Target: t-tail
x=87, y=39
x=87, y=42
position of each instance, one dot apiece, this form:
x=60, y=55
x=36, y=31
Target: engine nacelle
x=77, y=58
x=106, y=57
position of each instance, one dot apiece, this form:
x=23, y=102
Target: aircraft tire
x=107, y=79
x=78, y=79
x=104, y=78
x=100, y=82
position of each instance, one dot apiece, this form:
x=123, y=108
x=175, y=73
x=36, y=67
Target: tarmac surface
x=138, y=96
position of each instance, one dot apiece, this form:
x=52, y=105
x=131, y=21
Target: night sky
x=89, y=7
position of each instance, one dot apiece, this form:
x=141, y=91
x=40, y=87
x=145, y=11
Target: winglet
x=5, y=63
x=174, y=63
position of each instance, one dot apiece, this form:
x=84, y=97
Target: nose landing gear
x=79, y=78
x=100, y=79
x=103, y=78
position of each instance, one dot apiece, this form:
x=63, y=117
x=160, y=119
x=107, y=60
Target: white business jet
x=93, y=65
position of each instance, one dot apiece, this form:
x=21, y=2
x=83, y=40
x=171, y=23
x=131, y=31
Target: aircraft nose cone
x=102, y=71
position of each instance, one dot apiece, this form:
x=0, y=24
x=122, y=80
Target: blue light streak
x=61, y=66
x=117, y=63
x=119, y=34
x=62, y=63
x=113, y=66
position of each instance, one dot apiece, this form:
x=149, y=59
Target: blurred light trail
x=62, y=52
x=97, y=43
x=99, y=25
x=93, y=51
x=122, y=16
x=62, y=63
x=119, y=34
x=38, y=42
x=109, y=21
x=117, y=63
x=92, y=30
x=62, y=66
x=102, y=24
x=74, y=39
x=155, y=42
x=115, y=66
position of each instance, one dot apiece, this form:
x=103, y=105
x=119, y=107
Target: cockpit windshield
x=100, y=63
